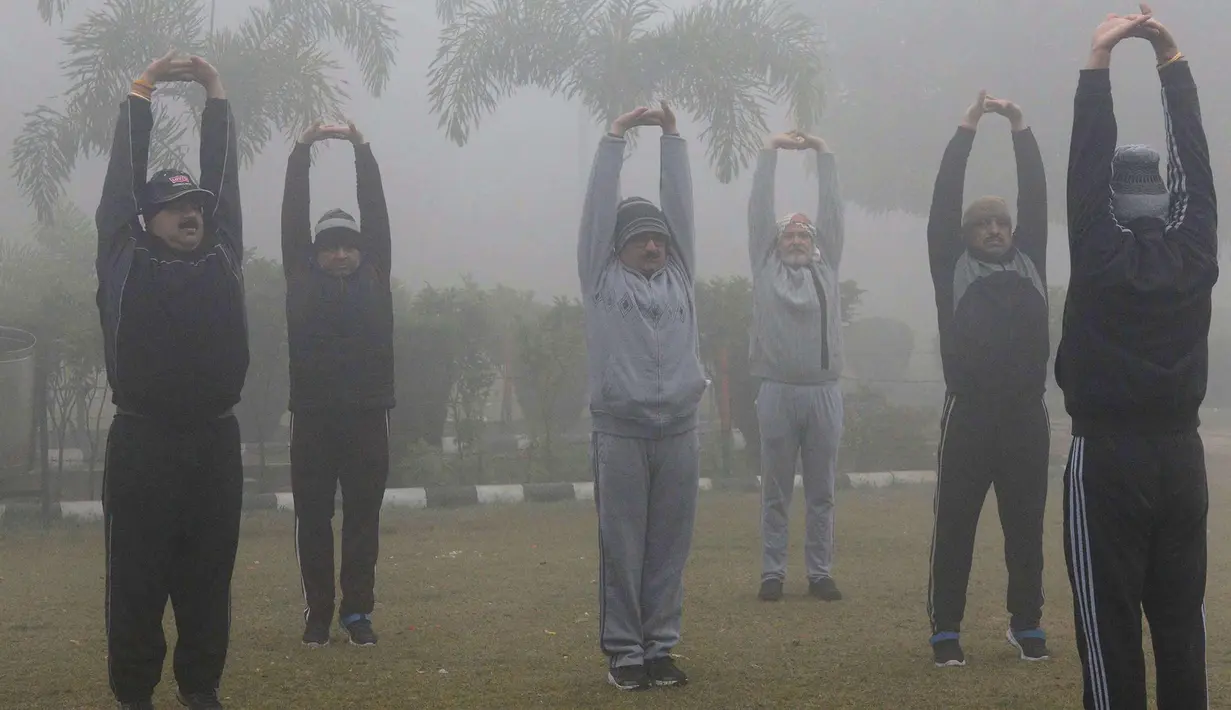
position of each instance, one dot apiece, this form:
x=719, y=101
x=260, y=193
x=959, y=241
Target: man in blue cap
x=171, y=300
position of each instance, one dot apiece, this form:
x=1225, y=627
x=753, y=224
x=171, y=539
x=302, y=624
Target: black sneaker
x=629, y=678
x=1031, y=645
x=207, y=700
x=316, y=635
x=825, y=588
x=771, y=590
x=663, y=671
x=947, y=653
x=360, y=632
x=139, y=705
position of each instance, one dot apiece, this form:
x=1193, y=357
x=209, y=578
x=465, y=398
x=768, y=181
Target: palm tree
x=276, y=64
x=723, y=61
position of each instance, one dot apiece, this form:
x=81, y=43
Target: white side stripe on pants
x=940, y=455
x=1083, y=575
x=303, y=582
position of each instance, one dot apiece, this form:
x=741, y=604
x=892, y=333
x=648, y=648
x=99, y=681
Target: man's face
x=795, y=245
x=340, y=261
x=646, y=253
x=180, y=223
x=993, y=235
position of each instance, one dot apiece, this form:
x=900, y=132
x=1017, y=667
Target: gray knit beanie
x=1137, y=188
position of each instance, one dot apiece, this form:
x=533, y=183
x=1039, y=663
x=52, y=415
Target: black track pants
x=1135, y=510
x=328, y=448
x=982, y=444
x=172, y=495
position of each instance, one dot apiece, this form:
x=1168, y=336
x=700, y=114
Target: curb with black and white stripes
x=462, y=496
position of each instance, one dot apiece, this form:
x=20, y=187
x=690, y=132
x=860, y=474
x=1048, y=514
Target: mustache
x=190, y=223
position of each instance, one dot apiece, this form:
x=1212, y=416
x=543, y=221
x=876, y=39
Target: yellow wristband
x=1178, y=56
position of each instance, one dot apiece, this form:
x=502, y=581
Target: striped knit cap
x=637, y=215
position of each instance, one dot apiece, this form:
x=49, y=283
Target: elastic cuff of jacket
x=1094, y=81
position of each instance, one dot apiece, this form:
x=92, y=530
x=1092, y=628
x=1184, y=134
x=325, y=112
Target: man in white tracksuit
x=796, y=352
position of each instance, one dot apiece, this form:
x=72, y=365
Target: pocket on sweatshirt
x=630, y=385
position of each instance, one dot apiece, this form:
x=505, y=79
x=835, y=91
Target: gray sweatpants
x=646, y=493
x=798, y=422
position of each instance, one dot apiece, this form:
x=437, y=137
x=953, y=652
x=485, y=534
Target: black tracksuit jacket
x=1134, y=356
x=340, y=330
x=992, y=316
x=174, y=324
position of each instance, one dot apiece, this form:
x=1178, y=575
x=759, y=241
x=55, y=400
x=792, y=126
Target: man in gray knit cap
x=796, y=352
x=636, y=264
x=1133, y=363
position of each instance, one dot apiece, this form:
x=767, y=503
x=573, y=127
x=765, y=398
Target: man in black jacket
x=339, y=308
x=171, y=301
x=991, y=304
x=1133, y=361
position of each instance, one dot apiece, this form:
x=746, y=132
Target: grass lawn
x=494, y=607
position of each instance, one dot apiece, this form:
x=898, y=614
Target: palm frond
x=492, y=48
x=447, y=11
x=112, y=46
x=365, y=28
x=44, y=155
x=727, y=61
x=474, y=67
x=734, y=115
x=52, y=9
x=613, y=71
x=282, y=81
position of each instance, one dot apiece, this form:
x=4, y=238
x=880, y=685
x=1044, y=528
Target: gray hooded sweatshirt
x=796, y=335
x=645, y=372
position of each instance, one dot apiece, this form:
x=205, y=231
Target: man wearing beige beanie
x=991, y=302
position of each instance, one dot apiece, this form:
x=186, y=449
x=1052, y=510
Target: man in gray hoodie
x=636, y=265
x=796, y=352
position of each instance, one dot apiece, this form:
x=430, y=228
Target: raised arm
x=1091, y=148
x=219, y=160
x=117, y=215
x=762, y=219
x=675, y=192
x=373, y=210
x=1095, y=238
x=598, y=213
x=1031, y=233
x=1190, y=179
x=830, y=212
x=296, y=204
x=945, y=243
